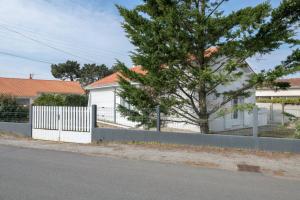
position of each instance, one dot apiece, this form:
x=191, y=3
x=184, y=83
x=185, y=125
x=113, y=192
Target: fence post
x=158, y=118
x=94, y=116
x=255, y=126
x=282, y=112
x=60, y=122
x=271, y=112
x=255, y=122
x=115, y=104
x=30, y=118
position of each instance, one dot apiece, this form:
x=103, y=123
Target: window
x=235, y=113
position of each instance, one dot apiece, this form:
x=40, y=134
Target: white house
x=103, y=93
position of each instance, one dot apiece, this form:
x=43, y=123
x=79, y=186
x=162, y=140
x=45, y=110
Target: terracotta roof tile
x=32, y=87
x=113, y=78
x=294, y=82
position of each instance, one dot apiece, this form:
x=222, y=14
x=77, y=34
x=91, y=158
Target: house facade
x=26, y=90
x=104, y=94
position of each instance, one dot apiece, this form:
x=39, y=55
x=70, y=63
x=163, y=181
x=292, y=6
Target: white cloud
x=91, y=33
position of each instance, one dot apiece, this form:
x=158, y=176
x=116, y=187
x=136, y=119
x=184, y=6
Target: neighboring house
x=26, y=90
x=275, y=111
x=103, y=93
x=293, y=91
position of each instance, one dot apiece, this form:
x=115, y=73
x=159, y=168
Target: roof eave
x=106, y=86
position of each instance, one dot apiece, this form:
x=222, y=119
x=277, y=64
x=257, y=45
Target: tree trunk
x=203, y=115
x=204, y=126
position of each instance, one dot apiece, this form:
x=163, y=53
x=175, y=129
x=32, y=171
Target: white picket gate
x=62, y=123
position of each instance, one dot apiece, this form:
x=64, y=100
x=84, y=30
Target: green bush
x=291, y=101
x=61, y=100
x=76, y=100
x=10, y=111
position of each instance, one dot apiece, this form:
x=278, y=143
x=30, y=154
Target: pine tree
x=70, y=70
x=190, y=48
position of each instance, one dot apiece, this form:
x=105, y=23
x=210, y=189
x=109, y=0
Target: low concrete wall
x=248, y=142
x=18, y=128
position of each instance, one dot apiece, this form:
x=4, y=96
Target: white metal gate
x=62, y=123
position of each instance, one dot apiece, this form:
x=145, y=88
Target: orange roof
x=32, y=87
x=113, y=78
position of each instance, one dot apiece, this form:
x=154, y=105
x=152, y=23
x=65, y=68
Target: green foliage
x=86, y=75
x=10, y=111
x=66, y=71
x=61, y=100
x=90, y=73
x=75, y=100
x=291, y=117
x=240, y=107
x=172, y=39
x=285, y=101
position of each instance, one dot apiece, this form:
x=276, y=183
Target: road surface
x=33, y=174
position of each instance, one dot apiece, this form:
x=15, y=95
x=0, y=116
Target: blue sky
x=88, y=29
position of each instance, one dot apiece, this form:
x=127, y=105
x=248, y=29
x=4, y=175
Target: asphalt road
x=31, y=174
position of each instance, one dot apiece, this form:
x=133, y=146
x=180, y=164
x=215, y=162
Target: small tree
x=69, y=70
x=174, y=41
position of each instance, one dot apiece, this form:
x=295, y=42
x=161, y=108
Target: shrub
x=49, y=100
x=76, y=100
x=61, y=100
x=10, y=111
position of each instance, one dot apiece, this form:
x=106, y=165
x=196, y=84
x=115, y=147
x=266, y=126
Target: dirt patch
x=202, y=164
x=248, y=168
x=207, y=149
x=279, y=172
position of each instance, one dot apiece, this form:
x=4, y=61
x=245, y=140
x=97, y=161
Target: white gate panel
x=76, y=137
x=43, y=134
x=66, y=124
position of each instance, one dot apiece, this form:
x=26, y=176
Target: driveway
x=34, y=174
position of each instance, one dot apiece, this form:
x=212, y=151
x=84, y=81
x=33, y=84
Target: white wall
x=102, y=97
x=105, y=98
x=290, y=92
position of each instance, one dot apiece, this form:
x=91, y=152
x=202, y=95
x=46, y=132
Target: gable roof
x=32, y=87
x=113, y=78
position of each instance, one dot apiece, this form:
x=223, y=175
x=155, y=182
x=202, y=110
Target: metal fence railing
x=112, y=117
x=15, y=116
x=109, y=117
